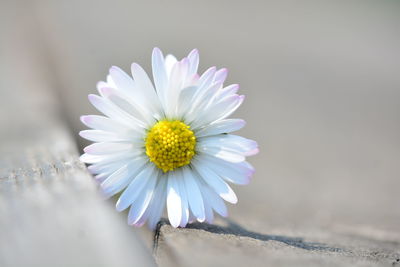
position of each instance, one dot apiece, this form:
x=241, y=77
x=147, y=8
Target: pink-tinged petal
x=101, y=177
x=192, y=80
x=252, y=152
x=221, y=75
x=102, y=84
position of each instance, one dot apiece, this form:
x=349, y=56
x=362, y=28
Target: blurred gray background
x=322, y=84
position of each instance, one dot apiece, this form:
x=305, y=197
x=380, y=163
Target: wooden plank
x=229, y=244
x=322, y=101
x=50, y=211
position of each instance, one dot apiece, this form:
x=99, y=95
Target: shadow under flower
x=237, y=230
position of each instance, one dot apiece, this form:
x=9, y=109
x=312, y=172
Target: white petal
x=102, y=136
x=101, y=177
x=222, y=126
x=126, y=104
x=229, y=142
x=158, y=202
x=108, y=168
x=215, y=201
x=103, y=159
x=110, y=110
x=193, y=61
x=225, y=92
x=110, y=81
x=174, y=205
x=204, y=83
x=218, y=111
x=184, y=200
x=176, y=83
x=206, y=99
x=155, y=207
x=207, y=209
x=105, y=124
x=142, y=220
x=107, y=148
x=122, y=177
x=102, y=84
x=194, y=195
x=215, y=182
x=192, y=218
x=219, y=152
x=238, y=173
x=170, y=61
x=185, y=101
x=207, y=78
x=221, y=75
x=140, y=205
x=192, y=80
x=122, y=80
x=135, y=187
x=159, y=73
x=145, y=94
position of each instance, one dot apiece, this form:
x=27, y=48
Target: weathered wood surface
x=322, y=88
x=229, y=244
x=50, y=211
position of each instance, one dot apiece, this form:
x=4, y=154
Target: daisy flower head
x=168, y=143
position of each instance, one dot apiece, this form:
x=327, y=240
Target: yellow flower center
x=170, y=144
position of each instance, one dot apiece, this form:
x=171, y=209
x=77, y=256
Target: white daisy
x=168, y=143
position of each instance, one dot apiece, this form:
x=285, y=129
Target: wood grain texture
x=229, y=244
x=321, y=84
x=50, y=211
